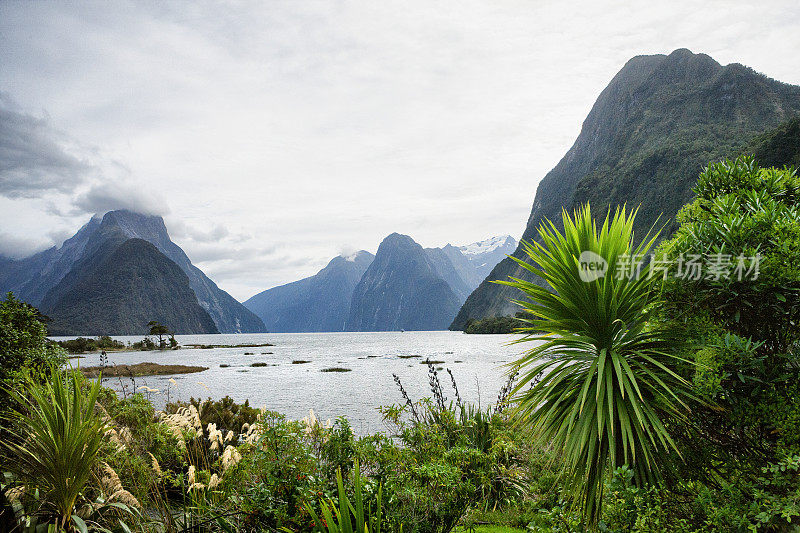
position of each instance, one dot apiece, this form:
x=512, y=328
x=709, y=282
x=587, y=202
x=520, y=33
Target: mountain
x=33, y=278
x=464, y=267
x=484, y=255
x=317, y=303
x=121, y=286
x=458, y=278
x=401, y=289
x=779, y=147
x=30, y=278
x=660, y=120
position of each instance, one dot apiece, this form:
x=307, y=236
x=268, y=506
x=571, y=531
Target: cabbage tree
x=598, y=386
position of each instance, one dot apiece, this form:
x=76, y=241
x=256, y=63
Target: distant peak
x=136, y=225
x=127, y=214
x=488, y=245
x=355, y=256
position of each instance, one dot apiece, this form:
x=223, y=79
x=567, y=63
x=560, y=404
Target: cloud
x=108, y=196
x=215, y=234
x=33, y=159
x=15, y=247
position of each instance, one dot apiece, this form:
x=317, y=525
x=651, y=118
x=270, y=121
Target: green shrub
x=24, y=346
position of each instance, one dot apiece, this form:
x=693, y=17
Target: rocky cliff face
x=401, y=289
x=648, y=135
x=317, y=303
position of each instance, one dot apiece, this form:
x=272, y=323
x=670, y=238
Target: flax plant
x=55, y=440
x=349, y=516
x=600, y=384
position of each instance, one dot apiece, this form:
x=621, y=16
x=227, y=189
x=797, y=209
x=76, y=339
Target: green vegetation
x=495, y=324
x=54, y=446
x=83, y=345
x=780, y=147
x=345, y=517
x=23, y=346
x=602, y=386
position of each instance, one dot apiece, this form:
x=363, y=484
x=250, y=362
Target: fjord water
x=477, y=362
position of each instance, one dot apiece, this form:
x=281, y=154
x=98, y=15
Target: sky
x=272, y=136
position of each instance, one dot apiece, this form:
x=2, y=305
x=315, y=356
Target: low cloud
x=14, y=247
x=213, y=235
x=103, y=197
x=33, y=159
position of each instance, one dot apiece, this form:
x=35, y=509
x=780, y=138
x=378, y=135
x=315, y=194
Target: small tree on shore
x=159, y=330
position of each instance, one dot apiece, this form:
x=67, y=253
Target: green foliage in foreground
x=346, y=516
x=23, y=345
x=55, y=443
x=601, y=387
x=744, y=334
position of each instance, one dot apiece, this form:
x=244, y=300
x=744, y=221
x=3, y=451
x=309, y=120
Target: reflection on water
x=476, y=361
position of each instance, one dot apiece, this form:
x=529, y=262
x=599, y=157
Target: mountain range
x=97, y=282
x=317, y=303
x=403, y=286
x=660, y=120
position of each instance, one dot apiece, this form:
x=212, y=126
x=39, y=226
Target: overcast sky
x=274, y=135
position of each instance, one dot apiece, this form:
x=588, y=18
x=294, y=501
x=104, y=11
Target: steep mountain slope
x=401, y=289
x=121, y=286
x=467, y=270
x=455, y=277
x=650, y=132
x=33, y=278
x=30, y=278
x=779, y=147
x=229, y=315
x=317, y=303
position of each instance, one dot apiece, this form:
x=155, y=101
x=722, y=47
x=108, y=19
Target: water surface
x=477, y=361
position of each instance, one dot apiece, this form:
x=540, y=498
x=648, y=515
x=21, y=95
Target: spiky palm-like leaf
x=56, y=438
x=604, y=386
x=348, y=516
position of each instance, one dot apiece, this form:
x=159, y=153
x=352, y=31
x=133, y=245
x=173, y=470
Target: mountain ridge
x=121, y=286
x=317, y=303
x=647, y=136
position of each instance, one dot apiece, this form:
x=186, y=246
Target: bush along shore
x=660, y=395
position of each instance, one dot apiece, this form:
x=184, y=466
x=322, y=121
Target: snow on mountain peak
x=488, y=245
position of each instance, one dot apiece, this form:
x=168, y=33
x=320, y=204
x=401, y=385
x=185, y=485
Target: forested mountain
x=401, y=289
x=37, y=279
x=121, y=286
x=648, y=135
x=780, y=147
x=317, y=303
